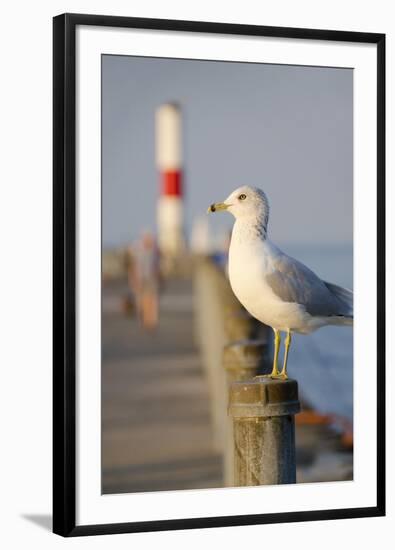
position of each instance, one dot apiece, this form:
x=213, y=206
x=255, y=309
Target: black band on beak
x=212, y=208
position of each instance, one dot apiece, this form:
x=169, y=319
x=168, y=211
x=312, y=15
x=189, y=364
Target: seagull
x=274, y=288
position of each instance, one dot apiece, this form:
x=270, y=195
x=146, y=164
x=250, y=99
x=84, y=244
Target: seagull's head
x=245, y=202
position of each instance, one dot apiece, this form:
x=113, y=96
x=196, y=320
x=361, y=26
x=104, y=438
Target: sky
x=285, y=129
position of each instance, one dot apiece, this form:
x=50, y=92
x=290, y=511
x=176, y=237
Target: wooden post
x=242, y=361
x=245, y=359
x=240, y=325
x=264, y=431
x=213, y=300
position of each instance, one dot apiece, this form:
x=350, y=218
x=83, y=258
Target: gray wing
x=294, y=282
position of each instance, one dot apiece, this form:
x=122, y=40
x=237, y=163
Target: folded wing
x=293, y=282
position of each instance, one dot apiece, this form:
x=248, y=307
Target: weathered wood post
x=264, y=430
x=242, y=361
x=245, y=359
x=213, y=299
x=240, y=325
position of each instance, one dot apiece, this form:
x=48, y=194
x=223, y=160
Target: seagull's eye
x=242, y=197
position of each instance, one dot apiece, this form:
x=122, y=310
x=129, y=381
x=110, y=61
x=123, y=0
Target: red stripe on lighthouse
x=171, y=183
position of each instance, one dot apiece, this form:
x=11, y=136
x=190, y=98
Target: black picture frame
x=64, y=272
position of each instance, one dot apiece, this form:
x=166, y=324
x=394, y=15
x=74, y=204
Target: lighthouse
x=171, y=239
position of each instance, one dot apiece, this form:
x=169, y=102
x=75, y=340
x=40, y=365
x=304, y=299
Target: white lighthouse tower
x=170, y=205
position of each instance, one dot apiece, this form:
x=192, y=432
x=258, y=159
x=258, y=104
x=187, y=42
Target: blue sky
x=286, y=129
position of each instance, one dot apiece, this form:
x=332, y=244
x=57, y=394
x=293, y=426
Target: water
x=322, y=362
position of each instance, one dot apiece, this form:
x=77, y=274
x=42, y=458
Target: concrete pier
x=156, y=425
x=158, y=399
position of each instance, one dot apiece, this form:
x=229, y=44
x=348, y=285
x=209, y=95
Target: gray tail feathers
x=345, y=296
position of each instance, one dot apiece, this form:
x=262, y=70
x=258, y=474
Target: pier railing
x=252, y=415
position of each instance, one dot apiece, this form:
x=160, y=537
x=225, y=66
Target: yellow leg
x=277, y=342
x=288, y=340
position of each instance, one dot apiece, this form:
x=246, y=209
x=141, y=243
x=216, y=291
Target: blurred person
x=145, y=280
x=129, y=301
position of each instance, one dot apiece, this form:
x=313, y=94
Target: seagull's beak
x=217, y=206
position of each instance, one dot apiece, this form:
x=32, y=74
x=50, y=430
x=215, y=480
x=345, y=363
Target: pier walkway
x=156, y=424
x=156, y=429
